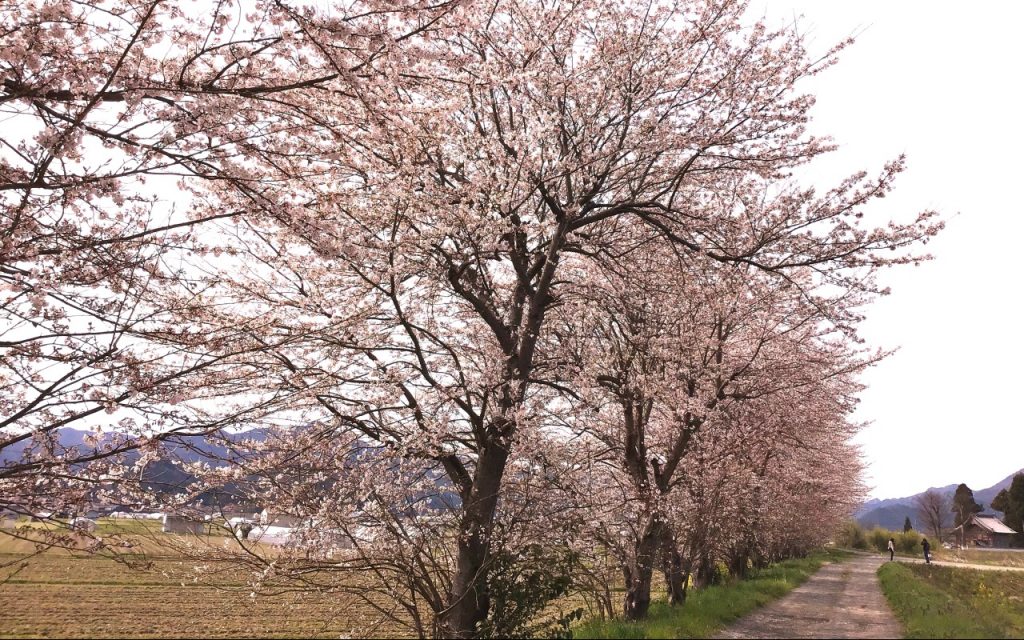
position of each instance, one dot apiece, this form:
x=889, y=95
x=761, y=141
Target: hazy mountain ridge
x=165, y=473
x=890, y=513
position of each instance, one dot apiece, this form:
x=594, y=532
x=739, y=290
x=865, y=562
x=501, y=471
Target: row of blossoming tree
x=487, y=294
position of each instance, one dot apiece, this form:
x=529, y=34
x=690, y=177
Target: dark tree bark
x=677, y=574
x=469, y=600
x=703, y=571
x=638, y=573
x=738, y=563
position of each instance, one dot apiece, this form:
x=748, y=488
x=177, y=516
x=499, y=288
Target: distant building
x=131, y=515
x=984, y=531
x=83, y=524
x=183, y=524
x=285, y=520
x=236, y=515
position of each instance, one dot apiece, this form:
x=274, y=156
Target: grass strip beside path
x=947, y=602
x=708, y=610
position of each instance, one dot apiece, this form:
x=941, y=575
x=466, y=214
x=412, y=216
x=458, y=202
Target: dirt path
x=842, y=600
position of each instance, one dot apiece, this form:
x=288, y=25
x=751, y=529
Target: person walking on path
x=892, y=549
x=927, y=550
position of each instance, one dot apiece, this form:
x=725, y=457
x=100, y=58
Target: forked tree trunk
x=468, y=601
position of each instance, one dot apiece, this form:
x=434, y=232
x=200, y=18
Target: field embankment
x=945, y=602
x=994, y=557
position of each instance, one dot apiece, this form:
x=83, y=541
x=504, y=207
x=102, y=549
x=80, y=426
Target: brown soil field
x=76, y=595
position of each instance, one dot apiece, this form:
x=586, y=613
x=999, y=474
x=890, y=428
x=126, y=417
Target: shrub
x=878, y=539
x=851, y=536
x=909, y=542
x=528, y=582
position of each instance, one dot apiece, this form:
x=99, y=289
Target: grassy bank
x=943, y=602
x=708, y=610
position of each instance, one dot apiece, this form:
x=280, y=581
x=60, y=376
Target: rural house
x=984, y=531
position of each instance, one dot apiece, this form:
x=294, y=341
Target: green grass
x=708, y=610
x=945, y=602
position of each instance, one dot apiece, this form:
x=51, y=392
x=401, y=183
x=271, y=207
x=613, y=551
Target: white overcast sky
x=942, y=82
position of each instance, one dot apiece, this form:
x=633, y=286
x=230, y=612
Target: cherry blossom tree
x=506, y=163
x=678, y=362
x=108, y=108
x=795, y=488
x=383, y=207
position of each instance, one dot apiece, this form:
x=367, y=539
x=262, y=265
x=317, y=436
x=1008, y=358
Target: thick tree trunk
x=676, y=577
x=638, y=573
x=760, y=560
x=738, y=564
x=676, y=572
x=468, y=602
x=704, y=571
x=638, y=591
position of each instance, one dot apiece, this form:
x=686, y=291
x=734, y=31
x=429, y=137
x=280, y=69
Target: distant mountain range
x=890, y=513
x=164, y=474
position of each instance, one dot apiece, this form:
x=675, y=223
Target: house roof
x=991, y=524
